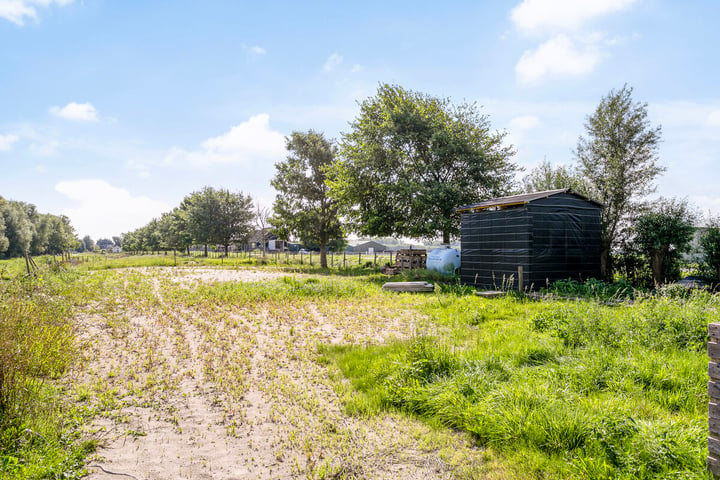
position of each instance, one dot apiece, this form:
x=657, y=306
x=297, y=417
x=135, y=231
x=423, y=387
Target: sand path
x=238, y=393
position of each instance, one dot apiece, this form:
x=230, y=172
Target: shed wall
x=493, y=245
x=554, y=238
x=566, y=240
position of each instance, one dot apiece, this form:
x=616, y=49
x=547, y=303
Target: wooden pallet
x=407, y=259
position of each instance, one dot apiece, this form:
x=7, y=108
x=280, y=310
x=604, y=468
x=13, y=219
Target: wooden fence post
x=713, y=349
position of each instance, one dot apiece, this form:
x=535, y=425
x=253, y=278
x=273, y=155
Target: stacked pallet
x=407, y=259
x=714, y=394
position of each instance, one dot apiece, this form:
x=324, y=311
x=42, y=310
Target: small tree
x=663, y=233
x=619, y=159
x=710, y=248
x=303, y=206
x=262, y=222
x=88, y=243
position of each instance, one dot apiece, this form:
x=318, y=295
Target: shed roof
x=523, y=199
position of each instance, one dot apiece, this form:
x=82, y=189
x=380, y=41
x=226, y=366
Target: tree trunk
x=226, y=250
x=657, y=259
x=323, y=254
x=206, y=249
x=446, y=237
x=606, y=270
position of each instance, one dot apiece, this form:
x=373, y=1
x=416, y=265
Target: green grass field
x=547, y=388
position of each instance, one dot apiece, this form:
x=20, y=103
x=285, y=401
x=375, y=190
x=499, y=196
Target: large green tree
x=61, y=237
x=664, y=232
x=619, y=158
x=218, y=217
x=19, y=229
x=173, y=228
x=303, y=206
x=411, y=159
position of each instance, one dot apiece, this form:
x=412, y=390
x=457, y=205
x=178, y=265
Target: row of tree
x=408, y=162
x=411, y=159
x=207, y=217
x=23, y=229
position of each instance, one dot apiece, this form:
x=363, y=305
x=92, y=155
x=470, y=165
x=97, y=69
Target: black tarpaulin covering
x=552, y=238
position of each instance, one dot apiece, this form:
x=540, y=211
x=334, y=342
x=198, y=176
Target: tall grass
x=569, y=389
x=37, y=345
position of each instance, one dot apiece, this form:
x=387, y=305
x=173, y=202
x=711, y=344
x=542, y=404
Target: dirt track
x=239, y=393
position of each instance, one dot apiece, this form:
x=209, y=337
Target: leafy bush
x=593, y=288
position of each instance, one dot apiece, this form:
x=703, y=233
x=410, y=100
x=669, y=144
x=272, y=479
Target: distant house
x=268, y=239
x=115, y=249
x=368, y=247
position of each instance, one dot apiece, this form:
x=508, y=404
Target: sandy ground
x=240, y=393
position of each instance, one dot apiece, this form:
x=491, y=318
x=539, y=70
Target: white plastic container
x=444, y=260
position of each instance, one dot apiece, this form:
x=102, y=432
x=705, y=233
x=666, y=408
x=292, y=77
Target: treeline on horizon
x=24, y=229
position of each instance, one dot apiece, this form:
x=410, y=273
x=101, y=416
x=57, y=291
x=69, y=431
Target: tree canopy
x=303, y=207
x=23, y=229
x=710, y=250
x=663, y=233
x=619, y=158
x=411, y=159
x=546, y=177
x=218, y=216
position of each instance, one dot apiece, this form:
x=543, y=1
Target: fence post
x=520, y=278
x=713, y=348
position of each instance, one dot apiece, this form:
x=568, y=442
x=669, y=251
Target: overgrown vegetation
x=38, y=435
x=554, y=388
x=559, y=389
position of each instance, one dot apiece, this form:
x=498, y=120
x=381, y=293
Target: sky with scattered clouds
x=113, y=111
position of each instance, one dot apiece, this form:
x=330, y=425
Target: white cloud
x=713, y=119
x=6, y=142
x=558, y=56
x=248, y=143
x=84, y=112
x=524, y=122
x=104, y=210
x=332, y=62
x=254, y=50
x=552, y=16
x=17, y=11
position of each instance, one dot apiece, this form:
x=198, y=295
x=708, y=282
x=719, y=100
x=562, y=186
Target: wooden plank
x=713, y=464
x=714, y=330
x=490, y=294
x=713, y=447
x=714, y=370
x=409, y=287
x=714, y=390
x=713, y=409
x=714, y=424
x=713, y=350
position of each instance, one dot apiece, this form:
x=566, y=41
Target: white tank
x=444, y=260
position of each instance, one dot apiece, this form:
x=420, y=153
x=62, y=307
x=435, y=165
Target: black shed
x=552, y=235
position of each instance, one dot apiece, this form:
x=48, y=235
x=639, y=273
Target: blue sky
x=112, y=111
